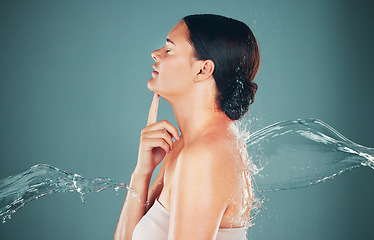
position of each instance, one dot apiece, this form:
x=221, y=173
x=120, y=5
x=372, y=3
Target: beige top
x=155, y=225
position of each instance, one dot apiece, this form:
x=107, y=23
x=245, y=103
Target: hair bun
x=235, y=103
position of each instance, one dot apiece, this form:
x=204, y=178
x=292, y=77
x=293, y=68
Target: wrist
x=140, y=174
x=139, y=182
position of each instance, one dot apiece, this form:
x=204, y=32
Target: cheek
x=175, y=76
x=175, y=68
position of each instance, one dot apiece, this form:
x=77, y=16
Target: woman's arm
x=199, y=195
x=155, y=141
x=133, y=209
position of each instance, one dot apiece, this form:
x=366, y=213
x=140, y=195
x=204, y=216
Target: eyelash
x=167, y=50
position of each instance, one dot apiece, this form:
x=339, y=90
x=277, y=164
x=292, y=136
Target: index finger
x=152, y=116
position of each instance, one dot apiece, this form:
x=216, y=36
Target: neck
x=199, y=115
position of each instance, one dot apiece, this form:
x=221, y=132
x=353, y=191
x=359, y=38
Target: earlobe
x=200, y=75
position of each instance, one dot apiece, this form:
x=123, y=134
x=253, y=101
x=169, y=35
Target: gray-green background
x=73, y=95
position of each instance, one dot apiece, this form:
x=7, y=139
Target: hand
x=155, y=141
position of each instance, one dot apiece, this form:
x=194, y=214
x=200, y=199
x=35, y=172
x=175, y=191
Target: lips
x=155, y=70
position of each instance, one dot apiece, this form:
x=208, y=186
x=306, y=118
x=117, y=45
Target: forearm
x=134, y=206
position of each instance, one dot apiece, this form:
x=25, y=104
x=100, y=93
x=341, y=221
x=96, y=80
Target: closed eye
x=167, y=50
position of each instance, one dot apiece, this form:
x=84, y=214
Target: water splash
x=282, y=156
x=303, y=152
x=298, y=153
x=42, y=179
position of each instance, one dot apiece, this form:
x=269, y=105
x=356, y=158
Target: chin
x=153, y=86
x=150, y=85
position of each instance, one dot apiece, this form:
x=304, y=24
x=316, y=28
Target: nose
x=155, y=55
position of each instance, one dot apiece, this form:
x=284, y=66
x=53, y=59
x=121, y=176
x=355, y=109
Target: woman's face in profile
x=175, y=64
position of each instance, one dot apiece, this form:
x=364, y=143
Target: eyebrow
x=168, y=40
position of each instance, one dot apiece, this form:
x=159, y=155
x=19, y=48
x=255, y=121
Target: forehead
x=179, y=34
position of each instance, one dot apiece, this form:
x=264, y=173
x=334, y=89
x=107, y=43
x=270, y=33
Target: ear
x=206, y=70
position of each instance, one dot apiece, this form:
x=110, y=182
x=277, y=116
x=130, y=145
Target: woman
x=203, y=190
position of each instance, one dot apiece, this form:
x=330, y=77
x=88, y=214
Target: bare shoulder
x=209, y=172
x=202, y=170
x=211, y=154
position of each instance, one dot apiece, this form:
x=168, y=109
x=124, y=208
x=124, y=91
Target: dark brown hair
x=231, y=45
